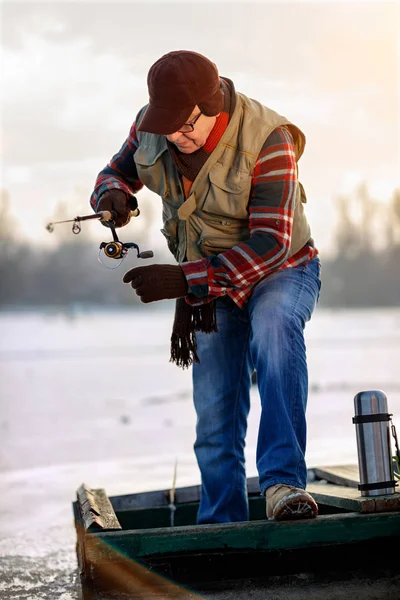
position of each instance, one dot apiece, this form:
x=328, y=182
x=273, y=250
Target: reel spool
x=114, y=249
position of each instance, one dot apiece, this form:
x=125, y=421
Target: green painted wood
x=250, y=536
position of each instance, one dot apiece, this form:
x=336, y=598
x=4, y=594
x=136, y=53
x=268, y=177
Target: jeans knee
x=277, y=326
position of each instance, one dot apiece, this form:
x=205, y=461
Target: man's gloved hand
x=117, y=201
x=157, y=282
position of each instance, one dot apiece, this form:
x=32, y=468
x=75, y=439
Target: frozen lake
x=93, y=398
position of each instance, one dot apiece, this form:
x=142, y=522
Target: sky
x=74, y=77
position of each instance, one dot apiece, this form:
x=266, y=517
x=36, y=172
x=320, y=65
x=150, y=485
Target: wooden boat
x=147, y=545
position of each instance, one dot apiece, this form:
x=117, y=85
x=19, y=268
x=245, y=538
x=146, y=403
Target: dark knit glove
x=117, y=201
x=157, y=282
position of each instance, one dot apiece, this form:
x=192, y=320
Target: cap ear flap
x=213, y=106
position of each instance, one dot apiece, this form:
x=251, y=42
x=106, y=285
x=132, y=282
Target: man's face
x=190, y=141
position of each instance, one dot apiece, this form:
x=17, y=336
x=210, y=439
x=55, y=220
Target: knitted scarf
x=189, y=319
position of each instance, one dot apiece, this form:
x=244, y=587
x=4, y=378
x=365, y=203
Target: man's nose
x=172, y=137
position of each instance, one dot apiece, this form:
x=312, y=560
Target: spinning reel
x=116, y=249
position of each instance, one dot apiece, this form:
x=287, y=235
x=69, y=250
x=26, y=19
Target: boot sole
x=295, y=506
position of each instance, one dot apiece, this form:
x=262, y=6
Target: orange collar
x=216, y=132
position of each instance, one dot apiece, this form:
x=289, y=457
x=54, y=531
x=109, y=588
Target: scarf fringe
x=189, y=319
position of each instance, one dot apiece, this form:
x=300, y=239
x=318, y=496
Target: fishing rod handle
x=106, y=215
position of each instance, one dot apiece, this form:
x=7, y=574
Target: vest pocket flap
x=146, y=156
x=219, y=236
x=215, y=244
x=230, y=180
x=186, y=209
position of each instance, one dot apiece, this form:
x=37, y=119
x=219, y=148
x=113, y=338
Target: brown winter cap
x=177, y=82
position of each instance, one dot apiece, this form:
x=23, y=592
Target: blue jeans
x=266, y=335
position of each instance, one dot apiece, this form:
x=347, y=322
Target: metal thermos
x=372, y=422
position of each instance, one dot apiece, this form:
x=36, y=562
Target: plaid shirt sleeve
x=120, y=173
x=271, y=208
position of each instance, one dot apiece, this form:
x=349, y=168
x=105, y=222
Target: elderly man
x=247, y=278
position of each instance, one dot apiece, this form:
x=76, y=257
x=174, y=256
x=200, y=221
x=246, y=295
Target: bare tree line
x=363, y=272
x=366, y=268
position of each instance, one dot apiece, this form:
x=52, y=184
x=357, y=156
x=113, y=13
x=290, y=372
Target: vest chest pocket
x=228, y=194
x=151, y=169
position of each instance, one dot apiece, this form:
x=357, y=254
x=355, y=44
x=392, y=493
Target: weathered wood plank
x=347, y=475
x=343, y=497
x=96, y=509
x=350, y=499
x=260, y=535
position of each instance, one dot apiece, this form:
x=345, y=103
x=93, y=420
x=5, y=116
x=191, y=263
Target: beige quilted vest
x=215, y=216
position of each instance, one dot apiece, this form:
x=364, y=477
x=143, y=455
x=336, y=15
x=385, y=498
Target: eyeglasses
x=189, y=127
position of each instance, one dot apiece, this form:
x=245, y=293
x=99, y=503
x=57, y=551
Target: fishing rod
x=115, y=249
x=171, y=494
